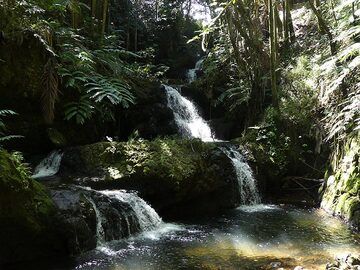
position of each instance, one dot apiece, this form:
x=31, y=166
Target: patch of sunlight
x=246, y=249
x=301, y=16
x=333, y=251
x=137, y=154
x=166, y=149
x=114, y=173
x=258, y=208
x=330, y=223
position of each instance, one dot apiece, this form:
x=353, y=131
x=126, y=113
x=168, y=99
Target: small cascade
x=192, y=73
x=49, y=166
x=118, y=213
x=100, y=234
x=187, y=118
x=248, y=191
x=147, y=217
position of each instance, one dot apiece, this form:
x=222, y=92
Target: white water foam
x=49, y=166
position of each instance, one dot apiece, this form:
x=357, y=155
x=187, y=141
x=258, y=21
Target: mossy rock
x=169, y=173
x=27, y=214
x=341, y=191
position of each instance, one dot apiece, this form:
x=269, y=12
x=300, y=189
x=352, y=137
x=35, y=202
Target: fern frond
x=80, y=111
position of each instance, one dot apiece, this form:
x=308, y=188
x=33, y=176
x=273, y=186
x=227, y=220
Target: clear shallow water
x=250, y=237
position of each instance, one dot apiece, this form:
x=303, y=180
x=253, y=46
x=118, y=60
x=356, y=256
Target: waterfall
x=187, y=118
x=119, y=214
x=192, y=125
x=49, y=166
x=248, y=191
x=100, y=234
x=147, y=217
x=191, y=73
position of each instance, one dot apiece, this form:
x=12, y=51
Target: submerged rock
x=177, y=177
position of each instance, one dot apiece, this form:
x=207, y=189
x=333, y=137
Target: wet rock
x=78, y=216
x=275, y=264
x=345, y=262
x=28, y=224
x=178, y=177
x=340, y=192
x=299, y=268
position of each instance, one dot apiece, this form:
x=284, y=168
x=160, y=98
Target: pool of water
x=249, y=237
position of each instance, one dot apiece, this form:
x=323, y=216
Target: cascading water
x=187, y=118
x=191, y=124
x=49, y=166
x=248, y=191
x=147, y=217
x=100, y=234
x=131, y=213
x=192, y=73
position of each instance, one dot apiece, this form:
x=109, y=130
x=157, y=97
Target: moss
x=26, y=210
x=341, y=193
x=174, y=159
x=167, y=172
x=170, y=159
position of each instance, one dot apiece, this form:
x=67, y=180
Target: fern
x=79, y=111
x=3, y=136
x=234, y=97
x=73, y=79
x=112, y=90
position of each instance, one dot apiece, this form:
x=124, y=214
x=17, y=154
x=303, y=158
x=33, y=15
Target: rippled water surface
x=250, y=237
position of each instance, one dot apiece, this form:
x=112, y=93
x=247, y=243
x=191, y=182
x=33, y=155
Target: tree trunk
x=93, y=8
x=324, y=27
x=273, y=45
x=289, y=33
x=104, y=17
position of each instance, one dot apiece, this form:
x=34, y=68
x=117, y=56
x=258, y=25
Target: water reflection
x=251, y=237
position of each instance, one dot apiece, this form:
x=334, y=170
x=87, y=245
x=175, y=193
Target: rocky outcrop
x=79, y=212
x=28, y=225
x=341, y=191
x=150, y=116
x=178, y=177
x=64, y=220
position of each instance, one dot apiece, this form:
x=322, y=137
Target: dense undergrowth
x=318, y=91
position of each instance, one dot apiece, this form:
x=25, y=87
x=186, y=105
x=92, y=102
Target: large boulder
x=87, y=217
x=27, y=215
x=177, y=177
x=63, y=220
x=150, y=116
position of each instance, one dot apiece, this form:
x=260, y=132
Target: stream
x=249, y=237
x=252, y=236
